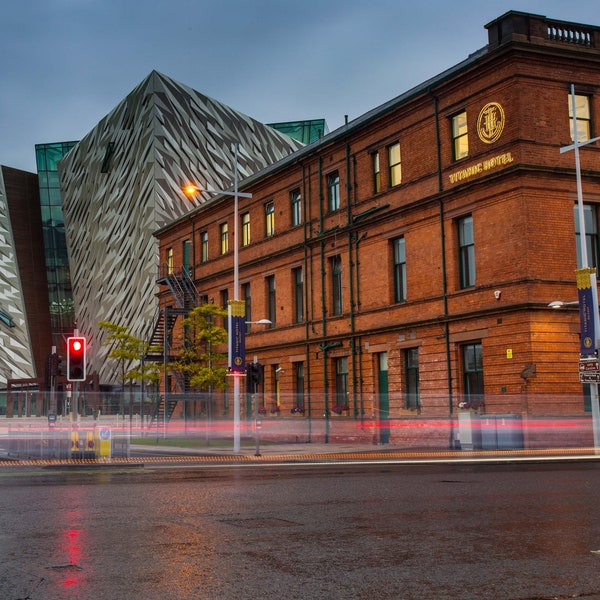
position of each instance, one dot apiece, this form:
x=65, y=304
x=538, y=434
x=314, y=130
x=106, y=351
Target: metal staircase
x=185, y=297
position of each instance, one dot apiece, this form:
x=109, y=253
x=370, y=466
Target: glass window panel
x=466, y=243
x=590, y=221
x=269, y=219
x=333, y=191
x=395, y=165
x=582, y=107
x=459, y=136
x=296, y=202
x=399, y=270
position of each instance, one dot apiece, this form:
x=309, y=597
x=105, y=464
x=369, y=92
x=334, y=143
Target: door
x=384, y=400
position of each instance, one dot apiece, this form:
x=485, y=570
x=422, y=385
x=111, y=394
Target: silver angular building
x=124, y=180
x=24, y=327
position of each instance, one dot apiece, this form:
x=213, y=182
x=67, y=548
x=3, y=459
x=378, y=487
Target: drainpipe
x=305, y=203
x=324, y=348
x=444, y=267
x=351, y=279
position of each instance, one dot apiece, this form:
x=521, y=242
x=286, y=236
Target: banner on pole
x=587, y=319
x=237, y=335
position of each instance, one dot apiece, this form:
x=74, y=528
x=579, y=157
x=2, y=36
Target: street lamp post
x=586, y=281
x=236, y=361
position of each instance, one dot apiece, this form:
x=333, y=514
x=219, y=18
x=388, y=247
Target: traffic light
x=76, y=351
x=254, y=372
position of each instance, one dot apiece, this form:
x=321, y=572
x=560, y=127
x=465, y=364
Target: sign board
x=589, y=377
x=104, y=442
x=589, y=365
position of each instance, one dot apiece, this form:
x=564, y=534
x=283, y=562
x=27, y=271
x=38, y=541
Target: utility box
x=502, y=432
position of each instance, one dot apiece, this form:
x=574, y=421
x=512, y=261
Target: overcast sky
x=64, y=64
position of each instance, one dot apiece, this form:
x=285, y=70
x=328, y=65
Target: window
x=271, y=300
x=411, y=374
x=296, y=204
x=298, y=294
x=466, y=249
x=590, y=221
x=204, y=246
x=245, y=229
x=299, y=384
x=269, y=219
x=376, y=173
x=460, y=139
x=472, y=357
x=395, y=165
x=341, y=382
x=169, y=261
x=247, y=298
x=399, y=270
x=224, y=238
x=584, y=124
x=225, y=305
x=333, y=191
x=187, y=256
x=336, y=284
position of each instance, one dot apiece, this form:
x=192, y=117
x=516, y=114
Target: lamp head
x=190, y=190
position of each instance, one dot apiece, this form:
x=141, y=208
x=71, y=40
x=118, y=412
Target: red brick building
x=407, y=259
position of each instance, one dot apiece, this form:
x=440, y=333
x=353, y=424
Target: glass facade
x=62, y=313
x=303, y=131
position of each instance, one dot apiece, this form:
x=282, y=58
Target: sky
x=65, y=64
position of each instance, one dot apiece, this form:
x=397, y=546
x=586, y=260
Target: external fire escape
x=184, y=297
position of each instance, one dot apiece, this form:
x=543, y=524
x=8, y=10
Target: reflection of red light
x=71, y=546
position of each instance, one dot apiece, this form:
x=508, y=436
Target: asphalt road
x=298, y=531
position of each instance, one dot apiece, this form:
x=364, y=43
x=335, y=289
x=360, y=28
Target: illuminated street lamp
x=561, y=304
x=235, y=307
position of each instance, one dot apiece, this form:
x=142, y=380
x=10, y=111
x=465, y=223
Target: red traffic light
x=76, y=355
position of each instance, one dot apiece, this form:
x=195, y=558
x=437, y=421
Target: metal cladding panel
x=123, y=181
x=16, y=356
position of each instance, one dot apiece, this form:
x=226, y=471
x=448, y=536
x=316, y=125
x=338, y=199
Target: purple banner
x=587, y=336
x=237, y=336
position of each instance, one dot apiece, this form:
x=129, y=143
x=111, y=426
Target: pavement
x=310, y=452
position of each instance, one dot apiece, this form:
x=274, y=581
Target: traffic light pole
x=53, y=374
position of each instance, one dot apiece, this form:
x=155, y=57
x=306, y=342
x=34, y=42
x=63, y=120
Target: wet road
x=301, y=531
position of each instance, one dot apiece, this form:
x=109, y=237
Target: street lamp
x=561, y=304
x=235, y=308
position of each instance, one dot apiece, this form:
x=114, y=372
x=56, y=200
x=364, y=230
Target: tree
x=197, y=360
x=129, y=352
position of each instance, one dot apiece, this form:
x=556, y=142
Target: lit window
x=269, y=219
x=204, y=246
x=395, y=165
x=376, y=173
x=245, y=229
x=584, y=125
x=460, y=139
x=224, y=231
x=169, y=261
